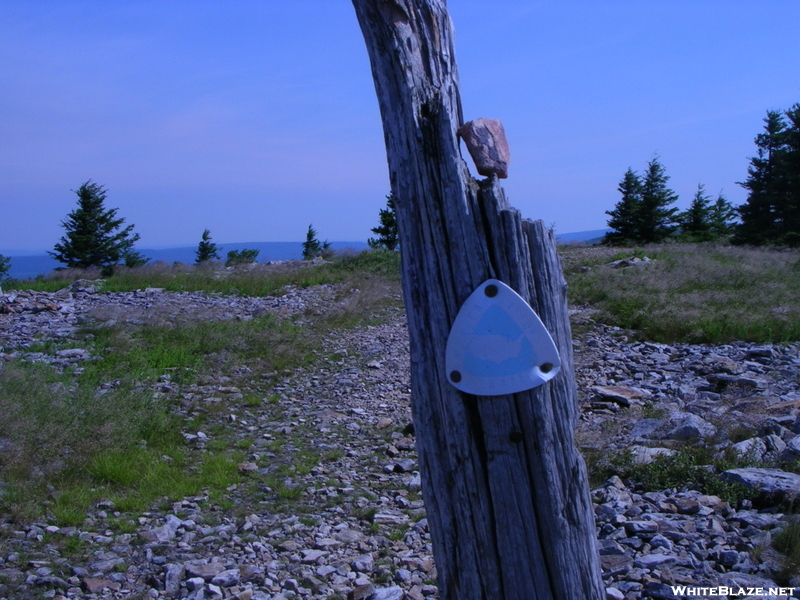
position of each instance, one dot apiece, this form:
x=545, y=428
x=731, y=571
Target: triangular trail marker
x=498, y=345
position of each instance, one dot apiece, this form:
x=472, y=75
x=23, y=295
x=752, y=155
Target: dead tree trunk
x=505, y=489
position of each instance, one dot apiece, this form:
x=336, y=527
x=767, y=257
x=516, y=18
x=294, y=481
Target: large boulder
x=643, y=455
x=688, y=426
x=791, y=450
x=754, y=448
x=770, y=483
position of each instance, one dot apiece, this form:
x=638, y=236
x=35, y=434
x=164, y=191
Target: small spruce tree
x=695, y=223
x=722, y=217
x=388, y=237
x=643, y=216
x=312, y=247
x=624, y=218
x=655, y=220
x=94, y=235
x=206, y=249
x=5, y=267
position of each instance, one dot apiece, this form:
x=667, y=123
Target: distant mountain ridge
x=32, y=265
x=27, y=265
x=592, y=236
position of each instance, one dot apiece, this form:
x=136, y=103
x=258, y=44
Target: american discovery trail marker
x=505, y=490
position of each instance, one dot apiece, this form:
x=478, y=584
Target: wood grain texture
x=505, y=489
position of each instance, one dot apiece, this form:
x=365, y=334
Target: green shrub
x=690, y=468
x=241, y=257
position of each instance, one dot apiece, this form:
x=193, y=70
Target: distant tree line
x=96, y=237
x=771, y=214
x=645, y=215
x=208, y=251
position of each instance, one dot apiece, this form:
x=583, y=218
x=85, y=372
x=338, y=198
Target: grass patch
x=197, y=347
x=53, y=423
x=695, y=293
x=787, y=542
x=66, y=439
x=39, y=284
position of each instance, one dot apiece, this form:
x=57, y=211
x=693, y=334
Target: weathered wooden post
x=506, y=491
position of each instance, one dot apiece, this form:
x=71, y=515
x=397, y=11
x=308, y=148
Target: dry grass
x=254, y=279
x=696, y=293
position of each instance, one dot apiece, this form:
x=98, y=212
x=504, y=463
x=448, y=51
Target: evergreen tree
x=654, y=220
x=763, y=216
x=789, y=209
x=624, y=217
x=131, y=258
x=206, y=249
x=94, y=237
x=695, y=223
x=312, y=247
x=388, y=237
x=722, y=217
x=5, y=267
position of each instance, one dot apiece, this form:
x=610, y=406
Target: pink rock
x=487, y=145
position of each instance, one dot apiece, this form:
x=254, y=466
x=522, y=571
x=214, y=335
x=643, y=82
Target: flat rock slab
x=770, y=482
x=391, y=593
x=206, y=571
x=620, y=394
x=96, y=585
x=654, y=561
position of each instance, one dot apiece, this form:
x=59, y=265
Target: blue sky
x=256, y=118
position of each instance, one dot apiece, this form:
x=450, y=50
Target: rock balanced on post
x=487, y=145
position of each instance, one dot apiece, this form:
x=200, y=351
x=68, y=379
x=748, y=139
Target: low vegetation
x=698, y=293
x=113, y=429
x=213, y=277
x=690, y=468
x=787, y=542
x=70, y=441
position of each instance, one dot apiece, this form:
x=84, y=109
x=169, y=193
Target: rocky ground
x=353, y=525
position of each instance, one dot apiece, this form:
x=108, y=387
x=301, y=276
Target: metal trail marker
x=498, y=345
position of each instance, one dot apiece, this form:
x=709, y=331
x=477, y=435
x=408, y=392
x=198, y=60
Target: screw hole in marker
x=490, y=291
x=455, y=376
x=546, y=367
